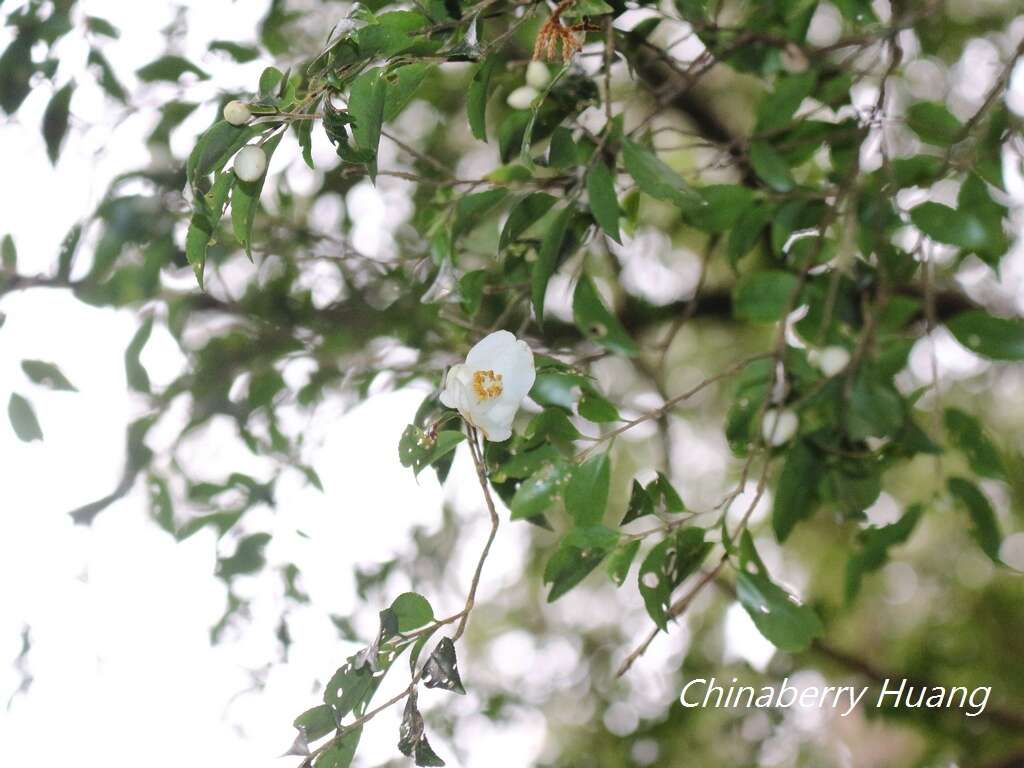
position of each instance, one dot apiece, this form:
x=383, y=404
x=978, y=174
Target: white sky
x=120, y=614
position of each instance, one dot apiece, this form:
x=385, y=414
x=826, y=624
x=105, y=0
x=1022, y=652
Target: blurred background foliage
x=862, y=157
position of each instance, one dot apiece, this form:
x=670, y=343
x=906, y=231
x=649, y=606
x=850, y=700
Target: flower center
x=487, y=384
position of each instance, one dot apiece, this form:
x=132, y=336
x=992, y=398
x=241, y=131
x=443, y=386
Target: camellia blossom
x=489, y=387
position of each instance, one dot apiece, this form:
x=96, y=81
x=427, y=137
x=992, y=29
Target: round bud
x=832, y=360
x=794, y=60
x=250, y=163
x=778, y=426
x=537, y=74
x=237, y=112
x=522, y=97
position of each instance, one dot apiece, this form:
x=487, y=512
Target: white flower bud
x=537, y=74
x=250, y=163
x=237, y=112
x=794, y=60
x=522, y=97
x=779, y=425
x=832, y=360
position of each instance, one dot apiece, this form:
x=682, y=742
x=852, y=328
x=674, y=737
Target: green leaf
x=215, y=147
x=107, y=78
x=777, y=108
x=471, y=209
x=603, y=202
x=9, y=254
x=596, y=408
x=780, y=618
x=950, y=225
x=523, y=215
x=656, y=179
x=997, y=338
x=764, y=296
x=934, y=123
x=968, y=435
x=23, y=419
x=548, y=259
x=135, y=374
x=270, y=79
x=99, y=26
x=403, y=83
x=640, y=504
x=47, y=374
x=248, y=557
x=55, y=121
x=197, y=241
x=537, y=494
x=16, y=65
x=620, y=561
x=666, y=566
x=412, y=610
x=237, y=51
x=875, y=408
x=245, y=200
x=596, y=322
x=986, y=529
x=796, y=495
x=726, y=203
x=476, y=99
x=747, y=229
x=770, y=167
x=341, y=752
x=366, y=106
x=875, y=544
x=317, y=722
x=586, y=494
x=419, y=449
x=579, y=553
x=169, y=68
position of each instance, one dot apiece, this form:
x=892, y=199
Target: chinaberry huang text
x=710, y=693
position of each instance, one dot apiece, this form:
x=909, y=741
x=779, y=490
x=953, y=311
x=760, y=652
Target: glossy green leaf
x=524, y=214
x=666, y=566
x=412, y=610
x=621, y=560
x=169, y=68
x=770, y=167
x=950, y=225
x=875, y=544
x=55, y=121
x=548, y=258
x=764, y=296
x=603, y=202
x=796, y=494
x=245, y=200
x=596, y=322
x=968, y=435
x=934, y=123
x=986, y=528
x=579, y=553
x=23, y=419
x=47, y=374
x=537, y=494
x=135, y=373
x=341, y=753
x=777, y=108
x=586, y=494
x=656, y=179
x=476, y=98
x=317, y=722
x=997, y=338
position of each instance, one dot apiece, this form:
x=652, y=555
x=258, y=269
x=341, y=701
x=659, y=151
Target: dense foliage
x=742, y=216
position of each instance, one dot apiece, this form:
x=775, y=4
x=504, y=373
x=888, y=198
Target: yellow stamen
x=487, y=384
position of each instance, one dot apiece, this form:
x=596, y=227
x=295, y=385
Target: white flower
x=537, y=74
x=237, y=112
x=250, y=163
x=522, y=97
x=778, y=426
x=830, y=360
x=489, y=387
